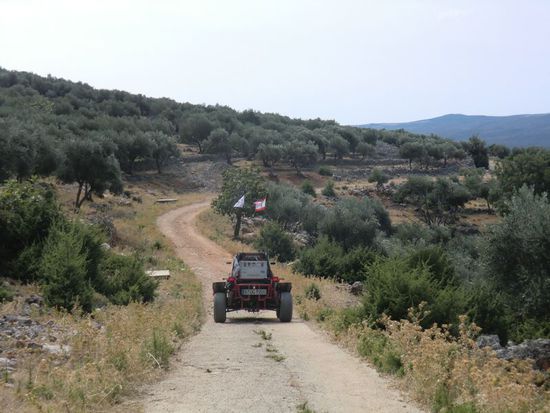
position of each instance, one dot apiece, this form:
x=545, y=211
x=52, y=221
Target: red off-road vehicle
x=252, y=287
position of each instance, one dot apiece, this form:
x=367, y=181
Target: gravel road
x=224, y=368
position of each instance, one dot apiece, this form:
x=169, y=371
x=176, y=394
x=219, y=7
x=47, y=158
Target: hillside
x=516, y=130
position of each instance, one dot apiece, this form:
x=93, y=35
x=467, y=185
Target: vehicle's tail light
x=231, y=280
x=275, y=279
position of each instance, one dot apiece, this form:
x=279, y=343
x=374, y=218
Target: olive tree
x=93, y=166
x=164, y=147
x=300, y=154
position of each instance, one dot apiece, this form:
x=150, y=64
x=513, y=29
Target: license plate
x=251, y=291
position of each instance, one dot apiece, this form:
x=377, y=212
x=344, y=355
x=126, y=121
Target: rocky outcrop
x=537, y=350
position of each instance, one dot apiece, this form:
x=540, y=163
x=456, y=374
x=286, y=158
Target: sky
x=352, y=61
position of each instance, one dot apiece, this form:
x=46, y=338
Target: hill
x=516, y=130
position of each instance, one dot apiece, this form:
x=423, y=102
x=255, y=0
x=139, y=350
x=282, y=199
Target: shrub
x=322, y=260
x=328, y=190
x=287, y=205
x=328, y=259
x=63, y=266
x=307, y=188
x=378, y=176
x=276, y=242
x=437, y=262
x=355, y=222
x=312, y=292
x=124, y=280
x=325, y=171
x=5, y=294
x=27, y=211
x=393, y=286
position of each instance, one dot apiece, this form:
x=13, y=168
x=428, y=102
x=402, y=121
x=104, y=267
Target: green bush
x=393, y=286
x=276, y=242
x=27, y=211
x=325, y=171
x=5, y=294
x=379, y=177
x=307, y=188
x=355, y=222
x=63, y=267
x=328, y=190
x=124, y=280
x=287, y=205
x=328, y=259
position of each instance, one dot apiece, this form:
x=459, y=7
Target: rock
x=489, y=340
x=6, y=362
x=56, y=349
x=105, y=246
x=538, y=350
x=356, y=288
x=302, y=238
x=33, y=345
x=34, y=299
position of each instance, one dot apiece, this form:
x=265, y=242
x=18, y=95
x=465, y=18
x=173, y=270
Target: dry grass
x=437, y=370
x=117, y=349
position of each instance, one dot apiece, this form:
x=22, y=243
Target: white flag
x=239, y=203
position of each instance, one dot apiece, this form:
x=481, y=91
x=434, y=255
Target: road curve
x=224, y=369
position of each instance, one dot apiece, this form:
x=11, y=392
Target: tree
x=517, y=255
x=195, y=130
x=479, y=188
x=163, y=148
x=529, y=167
x=413, y=151
x=478, y=151
x=218, y=142
x=92, y=166
x=499, y=151
x=239, y=144
x=236, y=183
x=300, y=154
x=339, y=146
x=365, y=149
x=131, y=147
x=270, y=154
x=437, y=201
x=378, y=176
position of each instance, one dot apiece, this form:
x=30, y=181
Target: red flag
x=259, y=205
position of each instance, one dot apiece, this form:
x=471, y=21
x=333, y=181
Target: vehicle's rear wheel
x=219, y=307
x=285, y=309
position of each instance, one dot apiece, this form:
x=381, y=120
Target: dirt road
x=224, y=368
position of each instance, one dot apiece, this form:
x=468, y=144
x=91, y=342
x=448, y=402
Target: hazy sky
x=353, y=61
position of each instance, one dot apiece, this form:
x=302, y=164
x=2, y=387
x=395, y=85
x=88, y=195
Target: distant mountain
x=516, y=130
